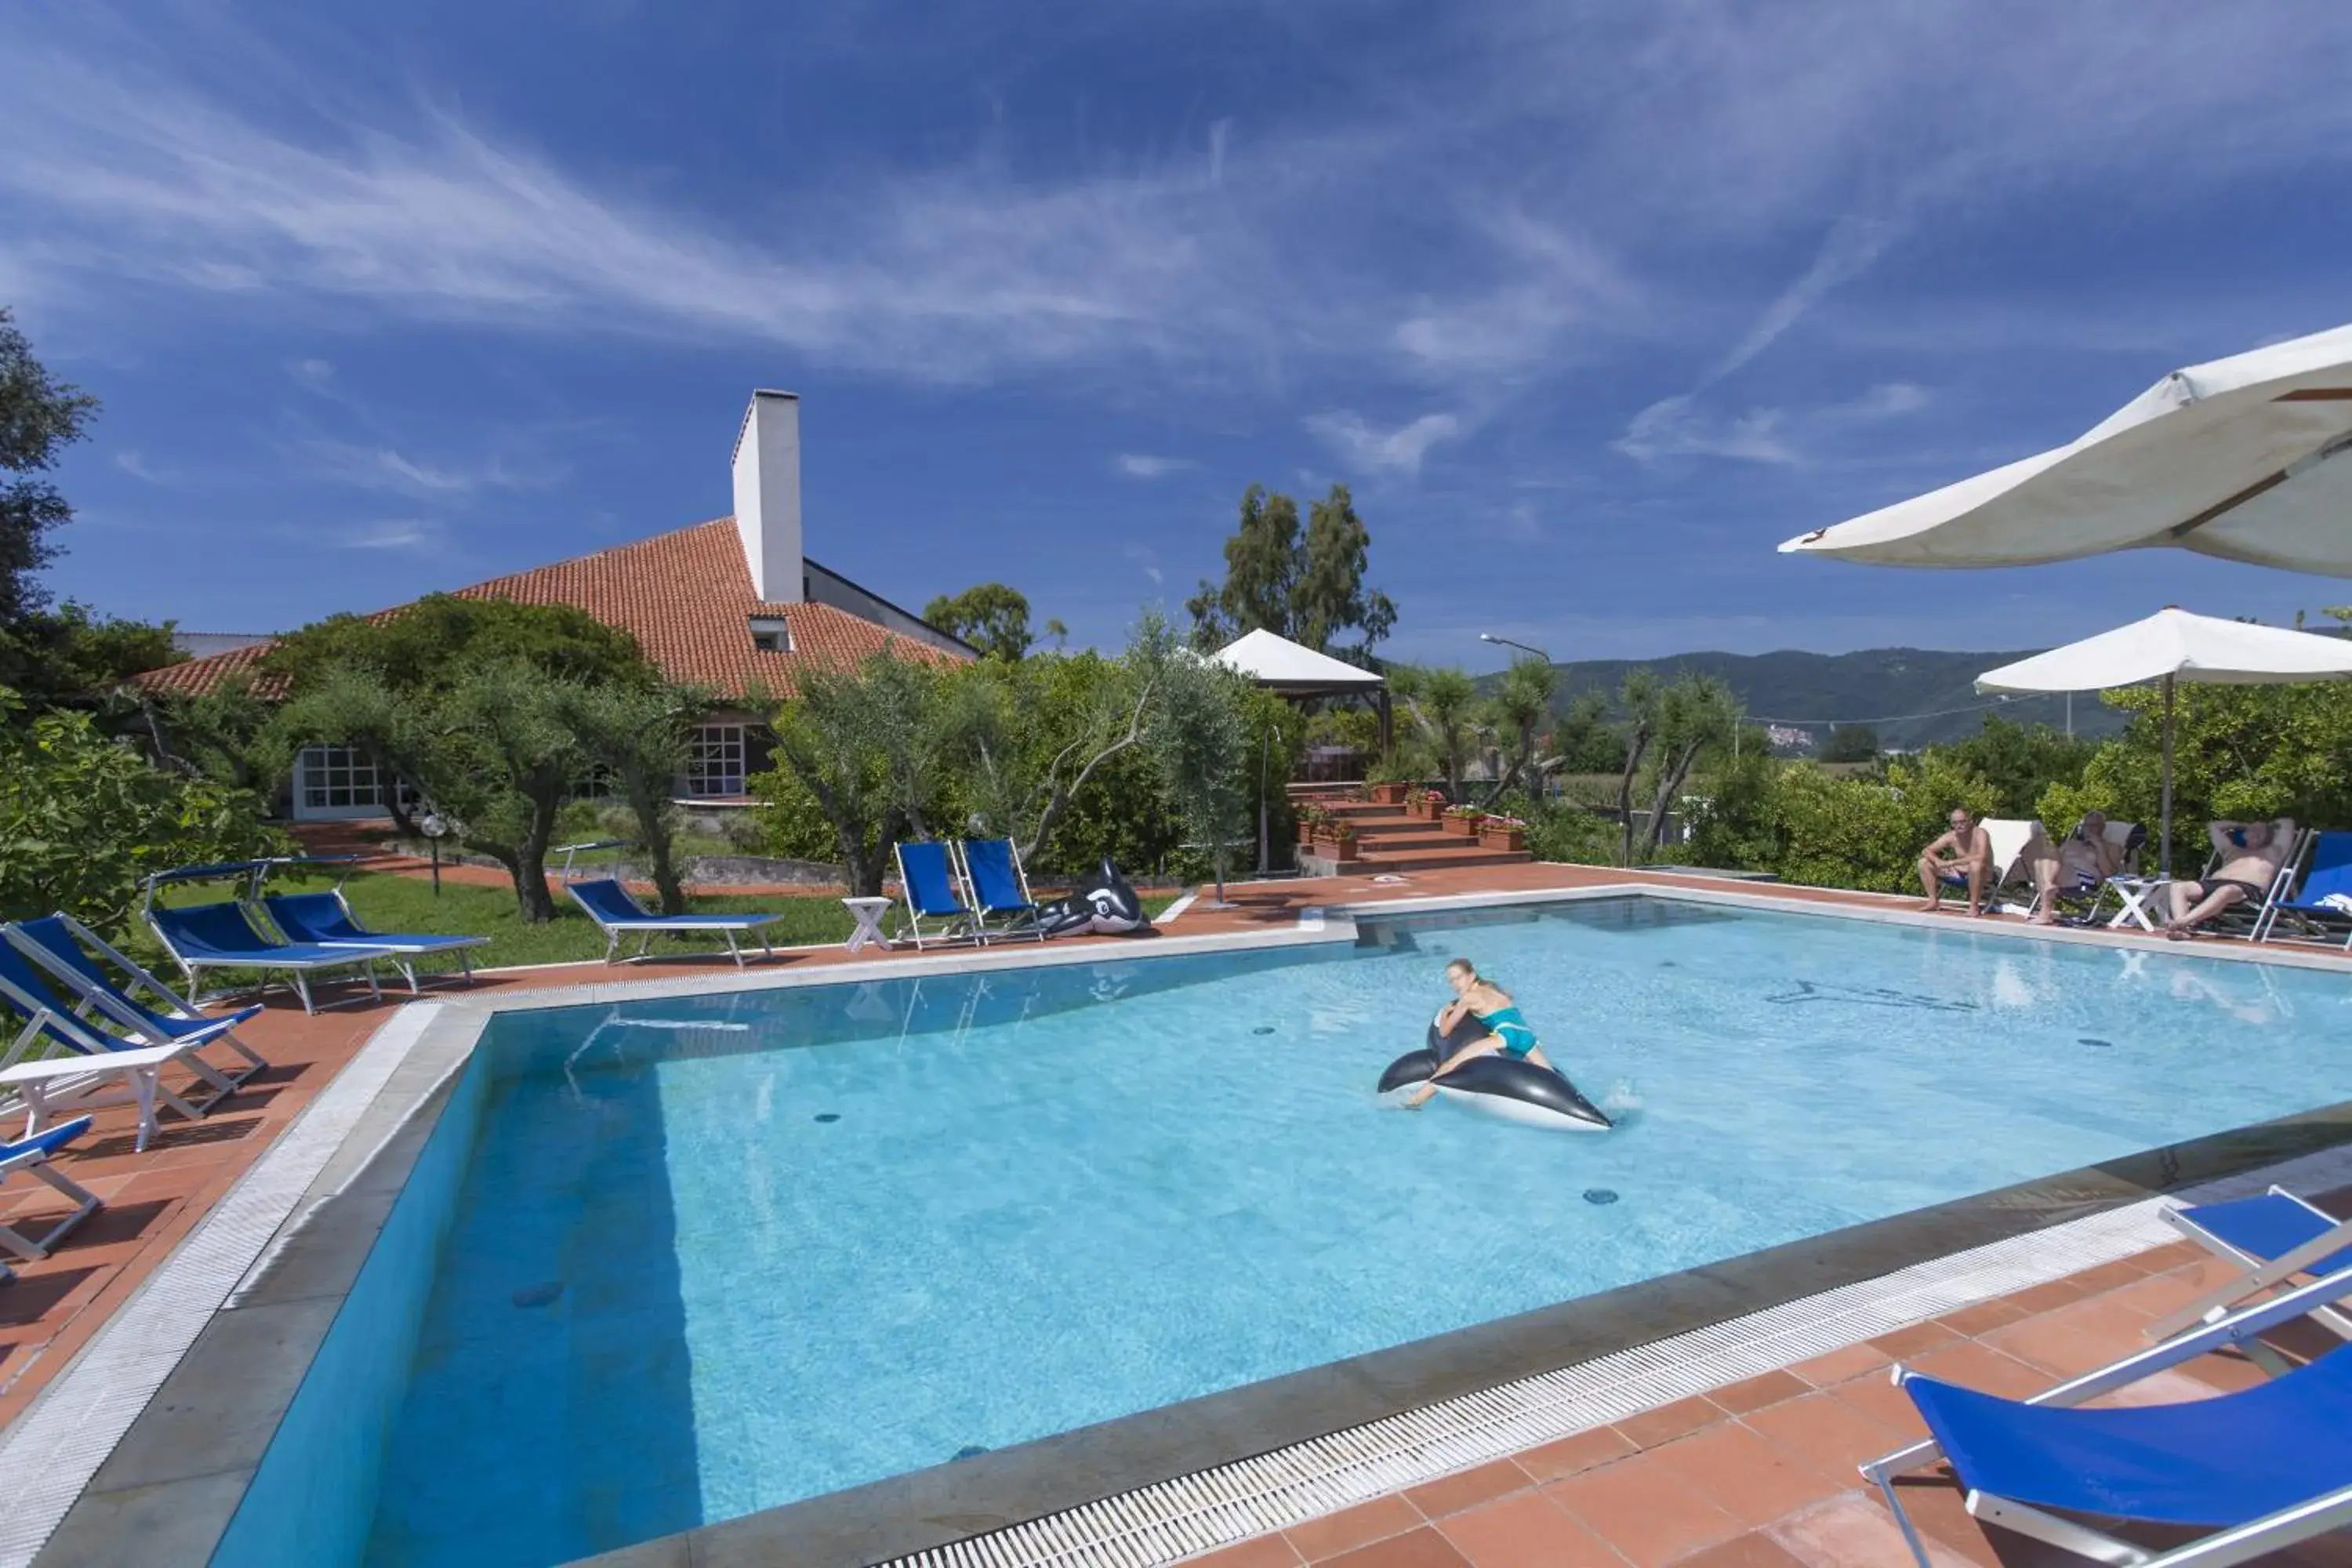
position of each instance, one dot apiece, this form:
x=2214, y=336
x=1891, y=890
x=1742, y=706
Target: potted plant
x=1502, y=832
x=1385, y=784
x=1462, y=820
x=1309, y=817
x=1336, y=840
x=1425, y=805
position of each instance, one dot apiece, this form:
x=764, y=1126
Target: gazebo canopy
x=1282, y=666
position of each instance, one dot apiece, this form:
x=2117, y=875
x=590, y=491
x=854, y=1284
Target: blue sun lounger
x=220, y=936
x=999, y=888
x=60, y=944
x=2257, y=1470
x=31, y=1155
x=2272, y=1239
x=2327, y=874
x=927, y=880
x=88, y=1065
x=617, y=914
x=325, y=920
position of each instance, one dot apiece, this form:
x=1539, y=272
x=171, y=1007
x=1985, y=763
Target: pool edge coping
x=388, y=1087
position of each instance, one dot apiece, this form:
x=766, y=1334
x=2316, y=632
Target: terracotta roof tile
x=685, y=596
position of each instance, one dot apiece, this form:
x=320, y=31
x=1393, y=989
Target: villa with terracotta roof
x=731, y=605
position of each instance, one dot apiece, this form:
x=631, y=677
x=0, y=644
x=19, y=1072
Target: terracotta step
x=1471, y=854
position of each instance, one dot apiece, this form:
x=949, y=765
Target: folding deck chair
x=221, y=936
x=2326, y=874
x=2257, y=1470
x=2272, y=1239
x=325, y=920
x=61, y=944
x=927, y=880
x=31, y=1155
x=619, y=915
x=998, y=886
x=96, y=1067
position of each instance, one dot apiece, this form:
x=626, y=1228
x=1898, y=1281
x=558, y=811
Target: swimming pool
x=705, y=1256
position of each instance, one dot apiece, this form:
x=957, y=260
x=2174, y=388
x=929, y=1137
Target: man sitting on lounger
x=2082, y=862
x=1963, y=856
x=2250, y=853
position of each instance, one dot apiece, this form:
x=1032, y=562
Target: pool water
x=716, y=1254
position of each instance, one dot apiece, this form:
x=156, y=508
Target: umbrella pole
x=2166, y=852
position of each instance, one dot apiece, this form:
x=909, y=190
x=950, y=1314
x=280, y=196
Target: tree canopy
x=1305, y=586
x=991, y=617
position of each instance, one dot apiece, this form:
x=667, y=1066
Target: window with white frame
x=339, y=778
x=714, y=760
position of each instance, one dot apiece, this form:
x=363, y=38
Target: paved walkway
x=1755, y=1475
x=1761, y=1474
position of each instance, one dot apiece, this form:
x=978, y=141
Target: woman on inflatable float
x=1481, y=1048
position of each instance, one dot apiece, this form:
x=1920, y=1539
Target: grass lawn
x=392, y=903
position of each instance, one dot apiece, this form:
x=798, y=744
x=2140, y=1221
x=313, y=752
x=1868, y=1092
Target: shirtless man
x=2085, y=861
x=2250, y=853
x=1964, y=852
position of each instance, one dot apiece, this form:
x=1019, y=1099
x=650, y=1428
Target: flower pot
x=1513, y=838
x=1462, y=827
x=1388, y=794
x=1306, y=834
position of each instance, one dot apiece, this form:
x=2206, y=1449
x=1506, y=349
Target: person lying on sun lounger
x=2079, y=863
x=1960, y=859
x=2250, y=853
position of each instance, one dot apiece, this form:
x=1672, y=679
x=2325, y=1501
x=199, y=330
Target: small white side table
x=868, y=913
x=2138, y=893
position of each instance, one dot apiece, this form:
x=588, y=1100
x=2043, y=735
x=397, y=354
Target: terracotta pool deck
x=1757, y=1473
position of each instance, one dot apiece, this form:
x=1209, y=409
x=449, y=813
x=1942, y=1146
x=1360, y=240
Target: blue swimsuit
x=1505, y=1023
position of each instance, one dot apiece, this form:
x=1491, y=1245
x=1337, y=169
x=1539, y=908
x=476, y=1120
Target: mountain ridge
x=1912, y=697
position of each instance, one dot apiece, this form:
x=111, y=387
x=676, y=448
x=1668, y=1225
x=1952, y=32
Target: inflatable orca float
x=1516, y=1090
x=1104, y=905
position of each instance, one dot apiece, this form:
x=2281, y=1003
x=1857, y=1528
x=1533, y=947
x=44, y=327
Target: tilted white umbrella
x=2173, y=644
x=2242, y=457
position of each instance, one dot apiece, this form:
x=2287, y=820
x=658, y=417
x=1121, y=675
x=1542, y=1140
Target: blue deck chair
x=618, y=915
x=31, y=1155
x=2258, y=1470
x=2273, y=1239
x=999, y=888
x=61, y=945
x=927, y=880
x=220, y=936
x=325, y=920
x=2327, y=873
x=60, y=1060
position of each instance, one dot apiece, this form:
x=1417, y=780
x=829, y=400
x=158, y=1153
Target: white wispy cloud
x=1366, y=447
x=135, y=463
x=1146, y=466
x=1146, y=557
x=1677, y=427
x=398, y=534
x=316, y=375
x=386, y=469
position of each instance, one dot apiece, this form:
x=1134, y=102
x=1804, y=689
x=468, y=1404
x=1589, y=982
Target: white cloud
x=1889, y=400
x=1676, y=427
x=389, y=534
x=1144, y=466
x=130, y=461
x=386, y=469
x=1400, y=450
x=1143, y=555
x=313, y=373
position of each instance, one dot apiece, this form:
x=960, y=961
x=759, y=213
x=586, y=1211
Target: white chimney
x=768, y=495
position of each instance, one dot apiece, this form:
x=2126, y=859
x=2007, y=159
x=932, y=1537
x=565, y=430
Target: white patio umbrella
x=2170, y=646
x=2235, y=458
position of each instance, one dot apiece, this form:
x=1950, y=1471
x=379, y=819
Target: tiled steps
x=1387, y=840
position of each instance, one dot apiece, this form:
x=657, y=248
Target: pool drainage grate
x=1192, y=1514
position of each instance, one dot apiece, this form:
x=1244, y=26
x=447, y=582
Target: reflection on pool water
x=716, y=1254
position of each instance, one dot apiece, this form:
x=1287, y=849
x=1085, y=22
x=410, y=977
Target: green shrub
x=83, y=819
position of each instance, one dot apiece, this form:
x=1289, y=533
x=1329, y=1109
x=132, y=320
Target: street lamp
x=1523, y=648
x=436, y=827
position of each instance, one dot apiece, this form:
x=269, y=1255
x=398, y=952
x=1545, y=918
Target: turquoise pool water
x=712, y=1254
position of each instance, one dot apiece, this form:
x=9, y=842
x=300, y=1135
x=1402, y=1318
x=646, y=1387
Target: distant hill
x=1804, y=690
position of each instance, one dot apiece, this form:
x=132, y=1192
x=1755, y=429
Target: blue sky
x=1592, y=304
